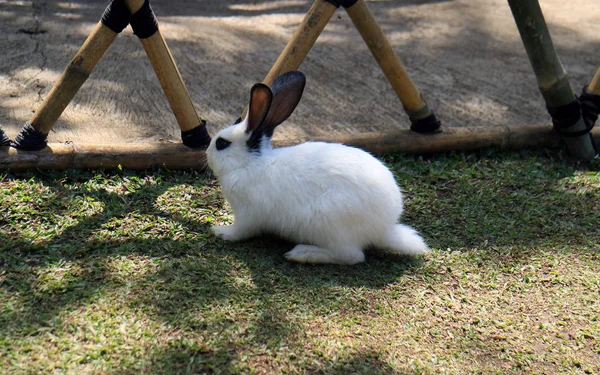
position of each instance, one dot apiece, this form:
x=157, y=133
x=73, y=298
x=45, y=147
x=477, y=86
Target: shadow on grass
x=246, y=295
x=499, y=199
x=190, y=360
x=194, y=271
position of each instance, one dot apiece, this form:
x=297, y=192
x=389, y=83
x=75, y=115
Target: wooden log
x=168, y=75
x=301, y=42
x=53, y=156
x=451, y=139
x=552, y=78
x=178, y=156
x=72, y=78
x=387, y=59
x=91, y=156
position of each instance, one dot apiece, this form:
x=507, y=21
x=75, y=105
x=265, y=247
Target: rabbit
x=332, y=200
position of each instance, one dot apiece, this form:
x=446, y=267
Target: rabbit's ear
x=260, y=102
x=287, y=90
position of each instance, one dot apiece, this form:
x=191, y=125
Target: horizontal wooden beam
x=178, y=156
x=450, y=139
x=104, y=156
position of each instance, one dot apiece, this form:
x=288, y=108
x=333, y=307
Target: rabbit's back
x=316, y=191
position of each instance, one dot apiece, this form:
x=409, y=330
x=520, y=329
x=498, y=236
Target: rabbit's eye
x=222, y=143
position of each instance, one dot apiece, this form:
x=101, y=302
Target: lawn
x=116, y=273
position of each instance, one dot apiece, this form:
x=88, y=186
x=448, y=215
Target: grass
x=116, y=273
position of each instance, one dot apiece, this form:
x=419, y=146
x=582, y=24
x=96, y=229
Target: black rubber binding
x=197, y=137
x=4, y=141
x=143, y=22
x=590, y=107
x=428, y=124
x=30, y=139
x=116, y=16
x=342, y=3
x=565, y=116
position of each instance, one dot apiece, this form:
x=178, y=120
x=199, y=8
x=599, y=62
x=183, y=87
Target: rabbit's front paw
x=227, y=232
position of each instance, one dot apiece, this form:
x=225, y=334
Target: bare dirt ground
x=465, y=56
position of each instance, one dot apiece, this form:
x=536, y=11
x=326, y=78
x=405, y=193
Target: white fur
x=333, y=200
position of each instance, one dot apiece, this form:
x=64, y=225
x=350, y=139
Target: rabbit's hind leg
x=318, y=255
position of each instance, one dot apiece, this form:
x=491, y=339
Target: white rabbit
x=333, y=200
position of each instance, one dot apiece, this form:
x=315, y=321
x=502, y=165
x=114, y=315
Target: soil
x=465, y=56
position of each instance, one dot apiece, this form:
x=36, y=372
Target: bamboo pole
x=168, y=75
x=302, y=40
x=594, y=86
x=305, y=36
x=171, y=81
x=90, y=156
x=178, y=156
x=590, y=102
x=552, y=78
x=387, y=59
x=72, y=78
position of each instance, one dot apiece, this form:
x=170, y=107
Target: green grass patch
x=117, y=273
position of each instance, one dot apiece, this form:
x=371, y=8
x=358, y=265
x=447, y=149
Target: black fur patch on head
x=253, y=143
x=222, y=143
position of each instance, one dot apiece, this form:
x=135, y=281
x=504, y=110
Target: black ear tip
x=295, y=74
x=259, y=86
x=291, y=76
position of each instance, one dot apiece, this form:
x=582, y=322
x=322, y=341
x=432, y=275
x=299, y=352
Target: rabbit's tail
x=403, y=239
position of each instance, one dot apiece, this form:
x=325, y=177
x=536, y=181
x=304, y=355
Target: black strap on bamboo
x=4, y=141
x=197, y=137
x=30, y=139
x=116, y=16
x=590, y=107
x=143, y=22
x=342, y=3
x=566, y=116
x=429, y=124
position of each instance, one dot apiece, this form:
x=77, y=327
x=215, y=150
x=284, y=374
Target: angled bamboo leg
x=302, y=40
x=33, y=135
x=552, y=78
x=143, y=22
x=421, y=117
x=594, y=86
x=590, y=102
